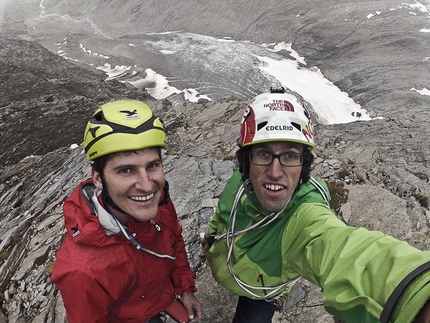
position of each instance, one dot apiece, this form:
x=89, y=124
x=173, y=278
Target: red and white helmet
x=276, y=116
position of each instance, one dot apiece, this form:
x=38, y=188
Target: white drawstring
x=229, y=236
x=138, y=245
x=321, y=189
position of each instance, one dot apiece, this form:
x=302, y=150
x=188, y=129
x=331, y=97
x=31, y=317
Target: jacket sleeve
x=85, y=300
x=91, y=308
x=357, y=269
x=182, y=276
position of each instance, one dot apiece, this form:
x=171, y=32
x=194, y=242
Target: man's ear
x=97, y=179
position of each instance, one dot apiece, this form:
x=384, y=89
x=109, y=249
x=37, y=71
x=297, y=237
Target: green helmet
x=122, y=126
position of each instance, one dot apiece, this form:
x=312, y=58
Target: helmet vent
x=297, y=126
x=275, y=90
x=93, y=131
x=98, y=117
x=261, y=125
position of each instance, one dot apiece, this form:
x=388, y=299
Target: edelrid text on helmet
x=276, y=117
x=122, y=126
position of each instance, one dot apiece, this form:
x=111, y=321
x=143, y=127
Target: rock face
x=44, y=94
x=378, y=173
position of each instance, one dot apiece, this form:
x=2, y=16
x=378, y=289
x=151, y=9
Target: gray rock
x=383, y=165
x=384, y=191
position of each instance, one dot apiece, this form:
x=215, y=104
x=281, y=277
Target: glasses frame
x=278, y=156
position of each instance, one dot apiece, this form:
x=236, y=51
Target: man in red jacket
x=123, y=258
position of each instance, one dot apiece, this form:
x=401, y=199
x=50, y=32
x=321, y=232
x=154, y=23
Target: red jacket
x=104, y=278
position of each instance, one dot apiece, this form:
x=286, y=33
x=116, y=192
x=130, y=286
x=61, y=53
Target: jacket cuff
x=408, y=297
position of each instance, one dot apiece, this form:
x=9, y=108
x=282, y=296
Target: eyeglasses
x=265, y=158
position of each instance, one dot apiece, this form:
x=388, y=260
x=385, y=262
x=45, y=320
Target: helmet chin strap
x=108, y=200
x=166, y=194
x=246, y=184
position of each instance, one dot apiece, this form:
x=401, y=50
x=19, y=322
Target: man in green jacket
x=274, y=225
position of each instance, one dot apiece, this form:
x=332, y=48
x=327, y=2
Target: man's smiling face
x=134, y=181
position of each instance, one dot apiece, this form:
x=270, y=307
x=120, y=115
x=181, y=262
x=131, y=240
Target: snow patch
x=329, y=102
x=424, y=91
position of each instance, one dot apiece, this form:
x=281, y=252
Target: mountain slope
x=377, y=171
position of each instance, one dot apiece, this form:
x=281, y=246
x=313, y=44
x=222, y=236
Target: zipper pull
x=156, y=226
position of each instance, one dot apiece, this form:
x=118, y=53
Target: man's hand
x=203, y=240
x=192, y=305
x=424, y=315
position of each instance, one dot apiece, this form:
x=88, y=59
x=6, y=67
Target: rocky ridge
x=378, y=173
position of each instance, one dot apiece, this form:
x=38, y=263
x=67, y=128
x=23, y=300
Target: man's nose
x=143, y=181
x=275, y=168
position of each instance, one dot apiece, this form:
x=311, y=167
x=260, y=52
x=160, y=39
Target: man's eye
x=293, y=156
x=263, y=154
x=155, y=165
x=125, y=170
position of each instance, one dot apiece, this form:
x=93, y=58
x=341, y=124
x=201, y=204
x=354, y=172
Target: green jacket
x=358, y=270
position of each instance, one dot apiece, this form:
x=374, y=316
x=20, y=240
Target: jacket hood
x=88, y=223
x=80, y=218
